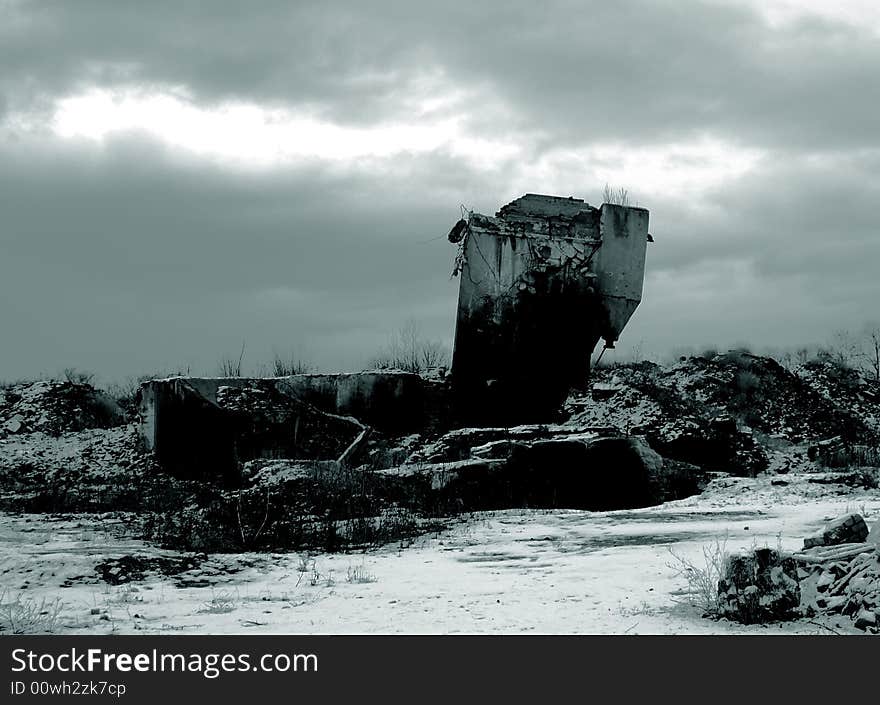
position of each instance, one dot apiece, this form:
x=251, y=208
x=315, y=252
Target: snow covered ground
x=516, y=571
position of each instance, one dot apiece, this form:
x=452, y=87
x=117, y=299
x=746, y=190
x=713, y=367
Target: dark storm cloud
x=157, y=243
x=801, y=215
x=635, y=70
x=782, y=256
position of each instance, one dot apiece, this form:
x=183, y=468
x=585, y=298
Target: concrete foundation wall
x=194, y=436
x=388, y=401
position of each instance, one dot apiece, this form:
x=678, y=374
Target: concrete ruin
x=205, y=427
x=541, y=283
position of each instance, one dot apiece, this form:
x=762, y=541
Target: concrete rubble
x=537, y=466
x=839, y=576
x=850, y=528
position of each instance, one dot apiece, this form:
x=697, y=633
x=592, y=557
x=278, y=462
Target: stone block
x=761, y=586
x=849, y=528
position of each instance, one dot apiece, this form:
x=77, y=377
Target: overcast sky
x=178, y=177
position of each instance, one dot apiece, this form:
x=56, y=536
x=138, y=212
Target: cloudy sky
x=178, y=177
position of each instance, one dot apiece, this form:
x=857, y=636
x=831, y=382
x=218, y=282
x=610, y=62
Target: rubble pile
x=56, y=407
x=541, y=466
x=846, y=388
x=91, y=470
x=837, y=573
x=841, y=566
x=852, y=589
x=733, y=412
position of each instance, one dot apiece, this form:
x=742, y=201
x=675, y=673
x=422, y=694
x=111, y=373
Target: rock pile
x=732, y=412
x=841, y=574
x=56, y=407
x=92, y=470
x=838, y=572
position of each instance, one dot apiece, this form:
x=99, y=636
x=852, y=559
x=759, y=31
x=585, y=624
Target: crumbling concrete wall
x=541, y=283
x=206, y=426
x=390, y=401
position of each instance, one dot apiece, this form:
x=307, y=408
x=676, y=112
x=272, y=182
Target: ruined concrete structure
x=208, y=426
x=541, y=283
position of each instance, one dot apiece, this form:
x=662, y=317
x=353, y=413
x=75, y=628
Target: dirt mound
x=56, y=407
x=726, y=412
x=846, y=389
x=96, y=470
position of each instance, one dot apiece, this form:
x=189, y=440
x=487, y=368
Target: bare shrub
x=126, y=595
x=221, y=602
x=26, y=615
x=75, y=376
x=231, y=366
x=334, y=511
x=702, y=579
x=842, y=350
x=287, y=366
x=850, y=456
x=410, y=351
x=359, y=574
x=868, y=355
x=746, y=382
x=306, y=565
x=615, y=196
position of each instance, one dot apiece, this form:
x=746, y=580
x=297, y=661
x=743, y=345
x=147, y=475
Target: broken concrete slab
x=850, y=528
x=566, y=472
x=874, y=534
x=275, y=472
x=462, y=443
x=15, y=424
x=865, y=619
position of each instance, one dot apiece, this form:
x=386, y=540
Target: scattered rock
x=865, y=619
x=118, y=571
x=15, y=424
x=825, y=581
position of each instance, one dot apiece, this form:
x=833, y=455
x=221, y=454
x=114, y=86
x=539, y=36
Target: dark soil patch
x=118, y=571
